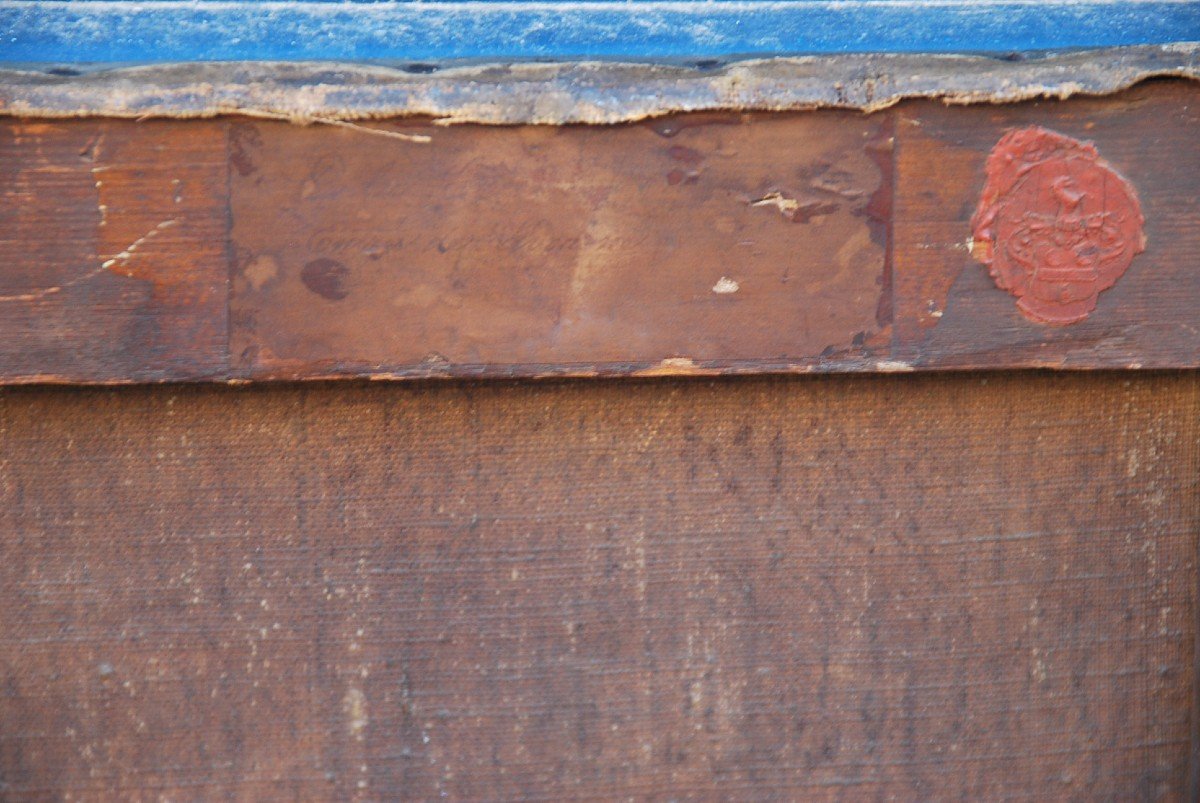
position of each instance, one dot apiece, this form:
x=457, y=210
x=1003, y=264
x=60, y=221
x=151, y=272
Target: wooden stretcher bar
x=719, y=242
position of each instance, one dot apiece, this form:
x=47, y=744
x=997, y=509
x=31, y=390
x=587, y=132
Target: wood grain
x=933, y=587
x=113, y=251
x=949, y=313
x=577, y=247
x=708, y=243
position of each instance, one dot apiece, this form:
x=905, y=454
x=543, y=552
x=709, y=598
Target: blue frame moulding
x=123, y=31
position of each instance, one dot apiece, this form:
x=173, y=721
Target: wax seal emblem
x=1056, y=224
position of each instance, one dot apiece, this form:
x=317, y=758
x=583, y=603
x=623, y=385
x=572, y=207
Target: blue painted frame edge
x=81, y=31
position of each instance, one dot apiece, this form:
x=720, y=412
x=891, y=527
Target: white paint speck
x=725, y=286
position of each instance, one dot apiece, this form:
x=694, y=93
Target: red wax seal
x=1056, y=224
